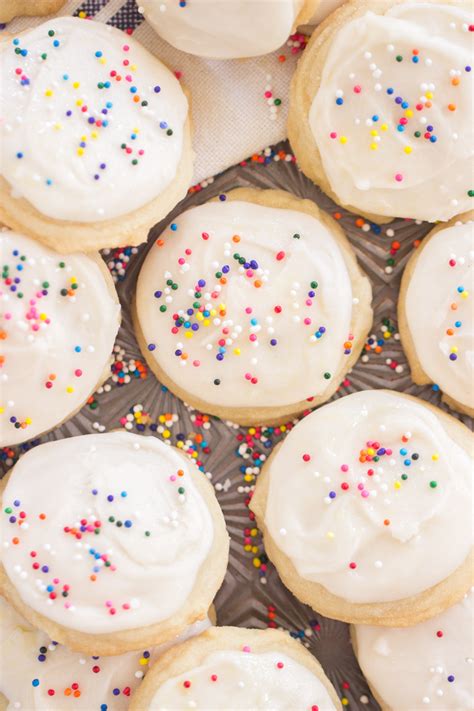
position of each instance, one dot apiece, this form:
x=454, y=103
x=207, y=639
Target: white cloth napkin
x=232, y=118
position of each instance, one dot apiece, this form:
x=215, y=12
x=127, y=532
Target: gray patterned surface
x=247, y=594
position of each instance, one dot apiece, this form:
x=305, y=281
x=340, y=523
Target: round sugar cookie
x=425, y=666
x=381, y=108
x=435, y=312
x=252, y=307
x=37, y=673
x=257, y=670
x=355, y=500
x=129, y=551
x=87, y=113
x=229, y=29
x=59, y=315
x=14, y=8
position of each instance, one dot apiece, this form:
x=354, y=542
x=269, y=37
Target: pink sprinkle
x=306, y=457
x=196, y=363
x=78, y=373
x=452, y=262
x=181, y=260
x=365, y=493
x=352, y=566
x=399, y=177
x=307, y=321
x=254, y=381
x=360, y=487
x=214, y=677
x=173, y=477
x=246, y=649
x=125, y=47
x=8, y=316
x=333, y=134
x=126, y=606
x=248, y=310
x=280, y=665
x=344, y=468
x=108, y=603
x=205, y=236
x=248, y=376
x=357, y=89
x=268, y=94
x=253, y=337
x=56, y=581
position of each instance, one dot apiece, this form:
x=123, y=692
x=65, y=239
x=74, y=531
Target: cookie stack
x=251, y=307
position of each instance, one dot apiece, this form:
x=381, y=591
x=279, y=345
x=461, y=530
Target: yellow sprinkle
x=253, y=532
x=199, y=316
x=133, y=67
x=69, y=389
x=80, y=151
x=136, y=130
x=43, y=317
x=82, y=15
x=188, y=334
x=374, y=132
x=166, y=434
x=386, y=335
x=79, y=102
x=256, y=563
x=252, y=430
x=76, y=84
x=180, y=445
x=435, y=457
x=465, y=295
x=94, y=134
x=28, y=420
x=384, y=127
x=2, y=410
x=330, y=535
x=344, y=701
x=48, y=92
x=397, y=485
x=409, y=113
x=143, y=661
x=408, y=149
x=248, y=477
x=255, y=549
x=454, y=349
x=283, y=428
x=237, y=351
x=102, y=60
x=374, y=146
x=429, y=94
x=343, y=139
x=247, y=548
x=370, y=451
x=206, y=322
x=213, y=312
x=58, y=126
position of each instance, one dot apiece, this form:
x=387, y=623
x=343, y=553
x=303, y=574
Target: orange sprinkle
x=236, y=238
x=160, y=242
x=450, y=331
x=180, y=472
x=337, y=215
x=452, y=107
x=282, y=58
x=454, y=307
x=42, y=516
x=455, y=81
x=386, y=522
x=359, y=222
x=15, y=541
x=257, y=283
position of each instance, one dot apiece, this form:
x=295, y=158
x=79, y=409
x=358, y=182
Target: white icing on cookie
x=366, y=528
x=42, y=674
x=392, y=118
x=223, y=29
x=428, y=666
x=253, y=681
x=125, y=521
x=102, y=106
x=58, y=322
x=272, y=330
x=439, y=311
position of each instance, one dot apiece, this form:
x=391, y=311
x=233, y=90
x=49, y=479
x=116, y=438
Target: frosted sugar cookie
x=229, y=29
x=37, y=673
x=435, y=312
x=425, y=666
x=59, y=315
x=252, y=307
x=95, y=136
x=252, y=670
x=129, y=551
x=13, y=8
x=356, y=499
x=381, y=108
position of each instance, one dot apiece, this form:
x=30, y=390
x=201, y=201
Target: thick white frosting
x=248, y=681
x=129, y=566
x=37, y=666
x=428, y=666
x=440, y=314
x=372, y=541
x=223, y=29
x=365, y=158
x=45, y=333
x=89, y=182
x=243, y=319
